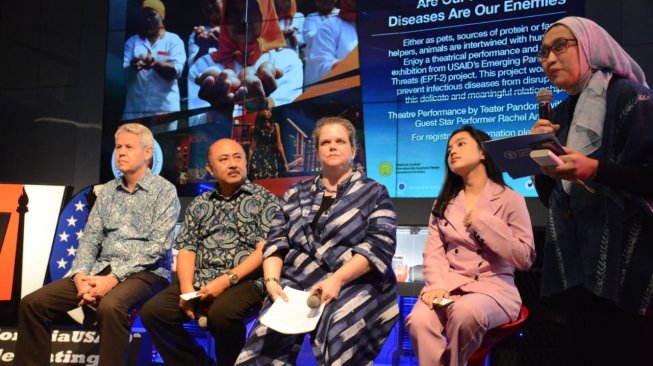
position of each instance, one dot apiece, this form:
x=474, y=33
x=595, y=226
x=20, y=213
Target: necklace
x=329, y=190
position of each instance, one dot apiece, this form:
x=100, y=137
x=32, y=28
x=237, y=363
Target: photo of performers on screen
x=185, y=60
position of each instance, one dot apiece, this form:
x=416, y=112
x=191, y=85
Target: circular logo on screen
x=510, y=155
x=385, y=169
x=155, y=165
x=402, y=186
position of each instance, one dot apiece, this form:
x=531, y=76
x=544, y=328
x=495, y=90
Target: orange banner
x=9, y=204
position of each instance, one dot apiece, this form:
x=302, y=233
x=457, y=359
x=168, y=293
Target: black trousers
x=38, y=309
x=164, y=320
x=599, y=333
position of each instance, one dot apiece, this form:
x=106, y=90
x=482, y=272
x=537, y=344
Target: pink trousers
x=449, y=336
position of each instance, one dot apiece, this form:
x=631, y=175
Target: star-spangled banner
x=70, y=229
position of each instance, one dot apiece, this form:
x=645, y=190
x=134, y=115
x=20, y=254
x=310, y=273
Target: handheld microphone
x=315, y=300
x=203, y=321
x=544, y=97
x=201, y=318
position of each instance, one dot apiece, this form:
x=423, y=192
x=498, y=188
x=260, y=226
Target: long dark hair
x=263, y=122
x=453, y=183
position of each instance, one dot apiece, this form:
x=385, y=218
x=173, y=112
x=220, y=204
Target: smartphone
x=550, y=143
x=545, y=158
x=444, y=303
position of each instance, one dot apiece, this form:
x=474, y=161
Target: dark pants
x=164, y=320
x=600, y=333
x=38, y=309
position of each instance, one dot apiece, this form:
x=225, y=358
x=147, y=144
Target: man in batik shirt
x=220, y=254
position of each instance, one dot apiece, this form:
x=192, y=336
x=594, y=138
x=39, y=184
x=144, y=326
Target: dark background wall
x=51, y=90
x=52, y=85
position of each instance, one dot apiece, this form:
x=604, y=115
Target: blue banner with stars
x=70, y=229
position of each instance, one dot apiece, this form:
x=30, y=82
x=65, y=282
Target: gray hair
x=144, y=134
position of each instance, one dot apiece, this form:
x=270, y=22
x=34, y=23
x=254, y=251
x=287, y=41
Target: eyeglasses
x=558, y=47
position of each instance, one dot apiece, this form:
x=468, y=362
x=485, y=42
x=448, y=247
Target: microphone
x=315, y=300
x=544, y=97
x=203, y=321
x=201, y=318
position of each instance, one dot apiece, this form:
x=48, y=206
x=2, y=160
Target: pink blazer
x=481, y=258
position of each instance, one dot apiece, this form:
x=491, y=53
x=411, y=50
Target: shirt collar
x=318, y=185
x=145, y=182
x=247, y=187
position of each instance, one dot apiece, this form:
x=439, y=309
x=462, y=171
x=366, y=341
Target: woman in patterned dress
x=335, y=233
x=266, y=154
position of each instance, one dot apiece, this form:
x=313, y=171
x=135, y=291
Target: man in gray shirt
x=122, y=260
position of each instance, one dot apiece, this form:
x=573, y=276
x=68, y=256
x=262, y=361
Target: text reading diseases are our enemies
x=476, y=70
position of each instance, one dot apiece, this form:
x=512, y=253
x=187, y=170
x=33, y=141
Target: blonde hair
x=337, y=121
x=144, y=134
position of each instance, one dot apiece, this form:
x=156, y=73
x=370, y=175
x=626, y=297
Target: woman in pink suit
x=479, y=231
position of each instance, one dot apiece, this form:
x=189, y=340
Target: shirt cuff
x=115, y=276
x=118, y=275
x=72, y=275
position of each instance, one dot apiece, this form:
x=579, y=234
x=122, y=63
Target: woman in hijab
x=598, y=256
x=251, y=63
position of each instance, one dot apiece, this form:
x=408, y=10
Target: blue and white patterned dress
x=362, y=220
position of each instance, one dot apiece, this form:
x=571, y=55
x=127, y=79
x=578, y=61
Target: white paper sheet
x=294, y=316
x=190, y=295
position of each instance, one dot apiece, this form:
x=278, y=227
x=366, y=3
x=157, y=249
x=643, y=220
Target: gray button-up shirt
x=130, y=231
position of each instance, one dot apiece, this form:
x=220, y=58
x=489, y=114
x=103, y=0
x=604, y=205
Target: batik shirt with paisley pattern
x=224, y=231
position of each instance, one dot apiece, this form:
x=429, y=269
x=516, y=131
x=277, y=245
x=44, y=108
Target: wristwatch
x=233, y=278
